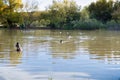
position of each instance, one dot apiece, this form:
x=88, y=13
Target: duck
x=61, y=41
x=18, y=47
x=60, y=32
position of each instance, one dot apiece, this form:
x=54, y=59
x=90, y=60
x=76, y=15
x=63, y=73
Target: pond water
x=60, y=55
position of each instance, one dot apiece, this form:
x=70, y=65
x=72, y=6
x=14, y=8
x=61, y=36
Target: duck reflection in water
x=18, y=47
x=61, y=41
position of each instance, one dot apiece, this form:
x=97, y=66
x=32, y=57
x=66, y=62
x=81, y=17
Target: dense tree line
x=64, y=14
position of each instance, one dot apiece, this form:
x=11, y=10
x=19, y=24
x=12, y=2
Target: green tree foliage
x=89, y=24
x=29, y=13
x=8, y=14
x=63, y=12
x=2, y=6
x=116, y=13
x=101, y=10
x=84, y=14
x=116, y=5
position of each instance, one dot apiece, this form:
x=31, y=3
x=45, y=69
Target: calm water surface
x=82, y=55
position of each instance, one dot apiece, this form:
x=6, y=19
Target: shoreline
x=47, y=28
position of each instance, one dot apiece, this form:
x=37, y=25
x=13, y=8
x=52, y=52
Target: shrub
x=90, y=24
x=113, y=25
x=41, y=23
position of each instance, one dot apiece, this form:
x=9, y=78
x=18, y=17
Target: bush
x=41, y=23
x=90, y=24
x=35, y=24
x=113, y=25
x=68, y=26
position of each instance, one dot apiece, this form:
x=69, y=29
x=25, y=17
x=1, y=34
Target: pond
x=60, y=55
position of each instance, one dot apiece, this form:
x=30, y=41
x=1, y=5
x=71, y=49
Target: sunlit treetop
x=15, y=3
x=18, y=2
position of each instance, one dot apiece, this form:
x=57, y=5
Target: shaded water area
x=81, y=55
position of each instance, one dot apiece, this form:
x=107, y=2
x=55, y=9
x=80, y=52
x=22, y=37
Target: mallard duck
x=18, y=47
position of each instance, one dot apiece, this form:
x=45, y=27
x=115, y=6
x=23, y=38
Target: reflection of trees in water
x=105, y=48
x=9, y=38
x=67, y=47
x=2, y=55
x=15, y=57
x=64, y=50
x=7, y=45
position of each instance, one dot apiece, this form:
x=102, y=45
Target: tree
x=116, y=13
x=63, y=12
x=116, y=5
x=8, y=14
x=84, y=14
x=101, y=10
x=2, y=6
x=29, y=12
